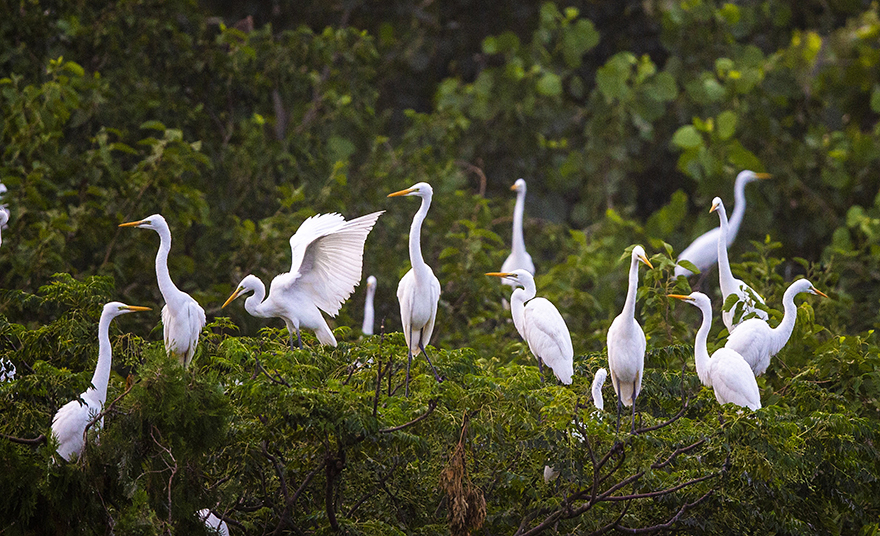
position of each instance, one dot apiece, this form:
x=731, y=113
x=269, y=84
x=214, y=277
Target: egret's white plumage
x=519, y=257
x=327, y=254
x=419, y=289
x=596, y=388
x=369, y=314
x=69, y=423
x=213, y=522
x=757, y=342
x=4, y=217
x=626, y=342
x=540, y=325
x=703, y=252
x=726, y=372
x=182, y=317
x=745, y=306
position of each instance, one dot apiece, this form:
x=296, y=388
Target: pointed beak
x=646, y=261
x=235, y=294
x=402, y=192
x=714, y=208
x=514, y=188
x=133, y=223
x=818, y=292
x=678, y=296
x=763, y=175
x=500, y=274
x=134, y=308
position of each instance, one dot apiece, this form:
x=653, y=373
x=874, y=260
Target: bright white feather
x=519, y=257
x=596, y=388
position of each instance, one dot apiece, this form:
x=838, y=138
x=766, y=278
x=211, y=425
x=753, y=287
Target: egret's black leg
x=619, y=407
x=299, y=341
x=541, y=368
x=408, y=363
x=292, y=347
x=422, y=347
x=633, y=429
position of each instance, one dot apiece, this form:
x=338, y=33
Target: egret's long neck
x=102, y=371
x=166, y=286
x=782, y=332
x=739, y=210
x=701, y=351
x=415, y=238
x=254, y=302
x=629, y=306
x=519, y=244
x=725, y=276
x=518, y=306
x=369, y=314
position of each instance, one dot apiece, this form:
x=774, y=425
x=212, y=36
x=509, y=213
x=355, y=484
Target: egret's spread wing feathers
x=331, y=258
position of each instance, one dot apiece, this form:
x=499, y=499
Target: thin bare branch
x=432, y=405
x=668, y=524
x=661, y=492
x=675, y=454
x=22, y=441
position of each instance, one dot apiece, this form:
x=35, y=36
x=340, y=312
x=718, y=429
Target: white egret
x=757, y=342
x=626, y=343
x=182, y=317
x=214, y=522
x=4, y=217
x=419, y=289
x=541, y=326
x=745, y=305
x=369, y=314
x=550, y=474
x=328, y=255
x=726, y=372
x=703, y=251
x=519, y=257
x=69, y=423
x=596, y=389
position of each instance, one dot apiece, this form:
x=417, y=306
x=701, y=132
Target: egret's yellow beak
x=514, y=188
x=714, y=208
x=819, y=292
x=646, y=261
x=763, y=175
x=235, y=294
x=500, y=274
x=402, y=192
x=133, y=223
x=134, y=308
x=678, y=296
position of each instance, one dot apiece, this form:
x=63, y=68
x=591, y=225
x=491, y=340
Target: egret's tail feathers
x=325, y=336
x=627, y=393
x=564, y=371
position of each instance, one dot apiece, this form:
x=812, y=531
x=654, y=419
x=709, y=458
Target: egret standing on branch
x=541, y=326
x=69, y=423
x=369, y=314
x=703, y=252
x=419, y=289
x=519, y=257
x=757, y=342
x=726, y=372
x=182, y=317
x=328, y=254
x=745, y=304
x=626, y=343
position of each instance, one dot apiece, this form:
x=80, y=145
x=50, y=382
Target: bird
x=328, y=255
x=596, y=389
x=519, y=257
x=757, y=342
x=626, y=343
x=419, y=289
x=540, y=325
x=213, y=522
x=745, y=305
x=182, y=316
x=726, y=371
x=703, y=252
x=369, y=314
x=69, y=423
x=4, y=217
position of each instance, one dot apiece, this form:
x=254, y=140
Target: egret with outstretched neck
x=519, y=257
x=369, y=313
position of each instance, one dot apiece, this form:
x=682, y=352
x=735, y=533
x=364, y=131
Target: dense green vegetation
x=625, y=122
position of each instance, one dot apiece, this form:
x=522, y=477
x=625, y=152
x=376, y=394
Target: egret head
x=804, y=285
x=248, y=284
x=717, y=205
x=748, y=176
x=371, y=282
x=421, y=189
x=694, y=298
x=519, y=186
x=638, y=254
x=519, y=276
x=155, y=222
x=114, y=309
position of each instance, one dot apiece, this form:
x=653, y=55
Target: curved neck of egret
x=369, y=314
x=739, y=209
x=166, y=285
x=254, y=302
x=629, y=306
x=415, y=237
x=519, y=244
x=701, y=352
x=782, y=332
x=101, y=377
x=518, y=302
x=725, y=276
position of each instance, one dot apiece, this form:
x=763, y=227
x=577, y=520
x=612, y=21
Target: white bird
x=550, y=474
x=328, y=255
x=596, y=389
x=703, y=252
x=726, y=372
x=4, y=217
x=369, y=314
x=745, y=305
x=541, y=326
x=519, y=257
x=213, y=522
x=419, y=289
x=626, y=343
x=182, y=317
x=69, y=423
x=757, y=342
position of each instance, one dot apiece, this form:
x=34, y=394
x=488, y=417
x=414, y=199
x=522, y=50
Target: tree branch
x=431, y=406
x=675, y=454
x=669, y=523
x=21, y=441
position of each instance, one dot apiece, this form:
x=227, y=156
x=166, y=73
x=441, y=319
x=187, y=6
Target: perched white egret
x=419, y=289
x=596, y=389
x=541, y=326
x=69, y=423
x=726, y=372
x=369, y=314
x=550, y=474
x=745, y=306
x=328, y=255
x=757, y=342
x=213, y=522
x=4, y=217
x=626, y=343
x=703, y=252
x=519, y=257
x=182, y=317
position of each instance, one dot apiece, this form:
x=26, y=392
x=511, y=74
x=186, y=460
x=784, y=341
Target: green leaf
x=875, y=99
x=726, y=121
x=688, y=265
x=687, y=137
x=153, y=124
x=550, y=85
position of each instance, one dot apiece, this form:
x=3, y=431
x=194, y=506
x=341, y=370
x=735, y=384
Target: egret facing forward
x=726, y=372
x=328, y=255
x=626, y=343
x=369, y=314
x=519, y=257
x=703, y=252
x=419, y=289
x=541, y=326
x=69, y=423
x=182, y=317
x=757, y=342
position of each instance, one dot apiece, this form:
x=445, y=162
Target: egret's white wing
x=703, y=252
x=733, y=381
x=548, y=337
x=753, y=340
x=330, y=258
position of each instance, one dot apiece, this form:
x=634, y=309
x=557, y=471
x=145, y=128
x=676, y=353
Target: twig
x=431, y=406
x=21, y=441
x=675, y=454
x=661, y=492
x=669, y=523
x=106, y=410
x=674, y=418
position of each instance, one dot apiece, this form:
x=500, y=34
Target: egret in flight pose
x=731, y=285
x=519, y=257
x=626, y=343
x=69, y=423
x=596, y=389
x=726, y=372
x=182, y=317
x=369, y=314
x=328, y=254
x=757, y=342
x=541, y=326
x=703, y=251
